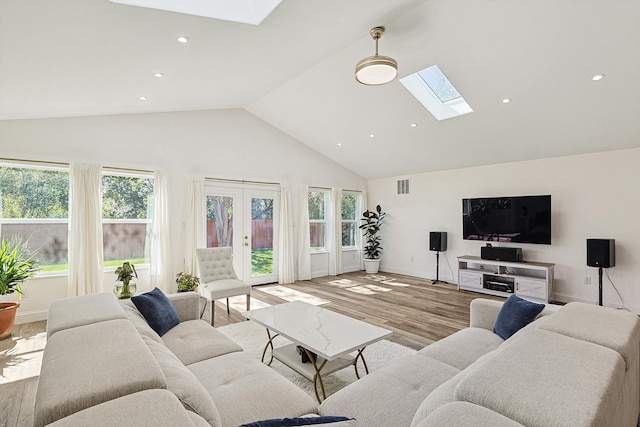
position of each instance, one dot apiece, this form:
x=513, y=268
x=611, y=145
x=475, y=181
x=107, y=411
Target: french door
x=246, y=218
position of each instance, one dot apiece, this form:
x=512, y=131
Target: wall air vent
x=403, y=186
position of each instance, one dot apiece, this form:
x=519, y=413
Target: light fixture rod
x=376, y=33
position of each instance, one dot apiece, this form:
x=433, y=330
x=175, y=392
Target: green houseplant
x=17, y=263
x=124, y=288
x=372, y=221
x=187, y=282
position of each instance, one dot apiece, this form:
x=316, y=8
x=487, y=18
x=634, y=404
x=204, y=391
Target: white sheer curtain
x=85, y=230
x=304, y=239
x=195, y=230
x=359, y=242
x=161, y=275
x=335, y=232
x=286, y=260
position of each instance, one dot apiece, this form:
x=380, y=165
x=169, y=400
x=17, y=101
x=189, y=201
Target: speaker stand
x=433, y=282
x=599, y=285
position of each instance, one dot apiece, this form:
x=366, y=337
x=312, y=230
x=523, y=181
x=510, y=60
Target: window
x=127, y=210
x=349, y=207
x=436, y=93
x=34, y=207
x=318, y=219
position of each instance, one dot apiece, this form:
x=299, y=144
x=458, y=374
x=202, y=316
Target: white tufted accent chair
x=218, y=279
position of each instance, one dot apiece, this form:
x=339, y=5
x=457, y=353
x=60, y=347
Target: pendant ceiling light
x=377, y=69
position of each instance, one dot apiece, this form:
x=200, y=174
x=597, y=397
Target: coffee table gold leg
x=269, y=344
x=364, y=362
x=317, y=378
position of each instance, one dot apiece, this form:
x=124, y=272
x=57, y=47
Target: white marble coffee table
x=330, y=335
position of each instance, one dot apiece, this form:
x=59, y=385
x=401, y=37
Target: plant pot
x=371, y=266
x=122, y=291
x=7, y=318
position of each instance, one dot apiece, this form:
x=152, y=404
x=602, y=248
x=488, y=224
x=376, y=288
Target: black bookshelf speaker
x=438, y=241
x=601, y=253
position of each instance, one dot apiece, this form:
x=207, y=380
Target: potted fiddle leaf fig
x=124, y=288
x=17, y=263
x=370, y=229
x=187, y=282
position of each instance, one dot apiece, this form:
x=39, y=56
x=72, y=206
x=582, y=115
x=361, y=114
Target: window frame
x=354, y=221
x=324, y=221
x=19, y=164
x=149, y=221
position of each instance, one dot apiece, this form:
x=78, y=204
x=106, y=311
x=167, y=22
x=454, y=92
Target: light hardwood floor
x=418, y=312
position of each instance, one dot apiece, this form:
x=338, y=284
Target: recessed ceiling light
x=506, y=100
x=183, y=39
x=413, y=125
x=158, y=75
x=339, y=144
x=143, y=98
x=372, y=136
x=597, y=77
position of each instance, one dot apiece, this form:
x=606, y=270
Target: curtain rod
x=43, y=162
x=328, y=188
x=241, y=181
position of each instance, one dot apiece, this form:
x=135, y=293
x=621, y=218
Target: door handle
x=246, y=244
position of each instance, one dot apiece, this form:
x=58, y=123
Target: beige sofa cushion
x=182, y=383
x=246, y=390
x=545, y=379
x=195, y=340
x=91, y=364
x=83, y=310
x=445, y=393
x=138, y=321
x=615, y=329
x=187, y=304
x=463, y=348
x=460, y=414
x=150, y=408
x=391, y=394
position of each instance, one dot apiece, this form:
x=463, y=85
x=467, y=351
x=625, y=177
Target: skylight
x=439, y=84
x=247, y=11
x=436, y=93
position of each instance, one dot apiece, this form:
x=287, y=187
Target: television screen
x=525, y=219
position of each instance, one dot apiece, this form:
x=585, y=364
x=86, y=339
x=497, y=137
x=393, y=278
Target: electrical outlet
x=587, y=280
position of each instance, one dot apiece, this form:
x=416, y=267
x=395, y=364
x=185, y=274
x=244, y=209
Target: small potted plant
x=370, y=229
x=124, y=288
x=17, y=263
x=187, y=282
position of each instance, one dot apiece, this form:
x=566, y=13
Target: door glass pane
x=219, y=221
x=261, y=236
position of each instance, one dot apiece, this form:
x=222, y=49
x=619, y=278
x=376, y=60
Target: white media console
x=529, y=280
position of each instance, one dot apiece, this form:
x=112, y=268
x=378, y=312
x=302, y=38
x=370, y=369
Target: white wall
x=593, y=196
x=219, y=144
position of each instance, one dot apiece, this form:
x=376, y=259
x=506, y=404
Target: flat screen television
x=523, y=219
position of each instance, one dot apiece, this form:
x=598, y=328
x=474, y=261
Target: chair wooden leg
x=212, y=310
x=227, y=305
x=248, y=302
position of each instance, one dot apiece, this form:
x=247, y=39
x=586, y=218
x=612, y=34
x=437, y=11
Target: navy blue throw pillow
x=290, y=422
x=156, y=308
x=515, y=314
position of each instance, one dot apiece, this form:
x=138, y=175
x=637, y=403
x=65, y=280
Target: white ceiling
x=295, y=70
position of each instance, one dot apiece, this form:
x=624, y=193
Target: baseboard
x=31, y=316
x=568, y=298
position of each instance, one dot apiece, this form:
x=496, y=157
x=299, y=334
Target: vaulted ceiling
x=295, y=70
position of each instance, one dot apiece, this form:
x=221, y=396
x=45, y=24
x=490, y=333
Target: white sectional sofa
x=576, y=365
x=104, y=365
